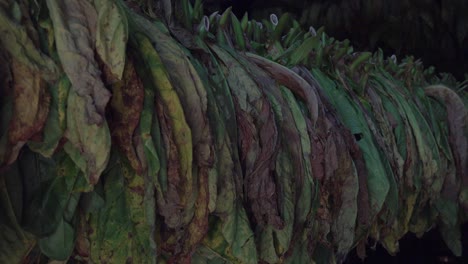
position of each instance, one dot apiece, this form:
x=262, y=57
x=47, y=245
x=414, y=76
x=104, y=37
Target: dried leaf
x=74, y=24
x=16, y=41
x=88, y=144
x=111, y=35
x=291, y=80
x=121, y=231
x=56, y=120
x=126, y=107
x=29, y=89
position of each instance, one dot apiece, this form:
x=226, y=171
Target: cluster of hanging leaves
x=126, y=138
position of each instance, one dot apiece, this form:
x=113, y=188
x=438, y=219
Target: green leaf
x=111, y=35
x=126, y=104
x=122, y=229
x=88, y=144
x=181, y=132
x=52, y=191
x=59, y=245
x=28, y=89
x=56, y=120
x=238, y=32
x=378, y=181
x=304, y=50
x=73, y=39
x=17, y=42
x=14, y=241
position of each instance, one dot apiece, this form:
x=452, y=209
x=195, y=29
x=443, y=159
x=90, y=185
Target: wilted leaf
x=111, y=35
x=16, y=41
x=74, y=39
x=121, y=231
x=56, y=120
x=88, y=144
x=52, y=190
x=291, y=80
x=29, y=89
x=258, y=140
x=14, y=241
x=457, y=116
x=377, y=181
x=181, y=131
x=127, y=105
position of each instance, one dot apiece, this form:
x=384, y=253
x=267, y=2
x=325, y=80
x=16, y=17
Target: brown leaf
x=457, y=116
x=74, y=24
x=126, y=107
x=260, y=183
x=291, y=80
x=26, y=122
x=198, y=227
x=170, y=204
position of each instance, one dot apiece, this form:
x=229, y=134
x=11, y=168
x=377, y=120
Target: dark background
x=436, y=31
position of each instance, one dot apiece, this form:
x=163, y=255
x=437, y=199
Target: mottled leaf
x=121, y=231
x=126, y=107
x=56, y=120
x=16, y=41
x=74, y=24
x=28, y=89
x=111, y=35
x=88, y=144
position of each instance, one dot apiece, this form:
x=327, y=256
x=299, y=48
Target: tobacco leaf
x=180, y=129
x=28, y=89
x=53, y=186
x=75, y=29
x=111, y=35
x=339, y=182
x=457, y=117
x=422, y=157
x=6, y=107
x=258, y=139
x=275, y=242
x=56, y=121
x=126, y=107
x=391, y=202
x=14, y=241
x=121, y=230
x=169, y=197
x=88, y=144
x=378, y=183
x=20, y=46
x=229, y=235
x=52, y=189
x=291, y=80
x=187, y=84
x=206, y=185
x=304, y=187
x=450, y=183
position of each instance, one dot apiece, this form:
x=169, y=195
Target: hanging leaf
x=20, y=46
x=121, y=230
x=56, y=120
x=88, y=144
x=111, y=35
x=127, y=105
x=59, y=245
x=74, y=39
x=25, y=123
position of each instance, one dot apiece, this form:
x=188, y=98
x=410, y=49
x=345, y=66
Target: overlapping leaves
x=207, y=153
